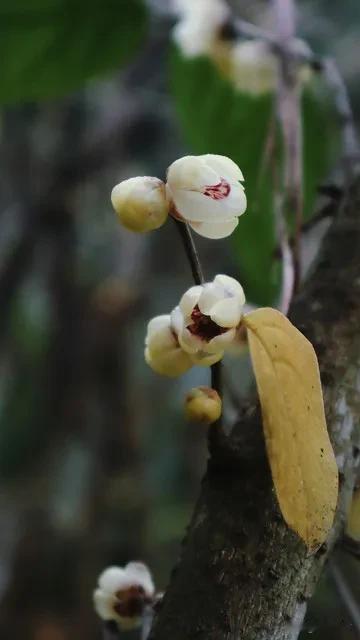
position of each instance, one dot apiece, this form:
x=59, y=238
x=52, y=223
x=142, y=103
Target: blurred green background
x=97, y=464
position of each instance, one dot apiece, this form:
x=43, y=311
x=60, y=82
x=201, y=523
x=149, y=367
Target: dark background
x=97, y=465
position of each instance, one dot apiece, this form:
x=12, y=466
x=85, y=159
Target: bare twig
x=351, y=150
x=190, y=251
x=286, y=47
x=288, y=271
x=289, y=111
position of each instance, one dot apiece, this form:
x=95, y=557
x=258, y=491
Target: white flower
x=200, y=23
x=123, y=593
x=140, y=203
x=162, y=350
x=207, y=319
x=206, y=192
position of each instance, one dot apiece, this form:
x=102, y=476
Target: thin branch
x=197, y=272
x=351, y=149
x=190, y=251
x=345, y=594
x=287, y=49
x=216, y=377
x=241, y=28
x=288, y=270
x=289, y=110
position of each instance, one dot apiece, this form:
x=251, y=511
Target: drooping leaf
x=301, y=457
x=353, y=521
x=51, y=47
x=217, y=118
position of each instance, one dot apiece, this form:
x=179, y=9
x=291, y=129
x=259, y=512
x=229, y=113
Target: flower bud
x=162, y=350
x=203, y=405
x=140, y=203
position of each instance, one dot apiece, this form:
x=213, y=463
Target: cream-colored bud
x=140, y=203
x=203, y=404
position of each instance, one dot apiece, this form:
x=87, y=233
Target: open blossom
x=199, y=26
x=123, y=593
x=206, y=192
x=140, y=203
x=162, y=350
x=207, y=318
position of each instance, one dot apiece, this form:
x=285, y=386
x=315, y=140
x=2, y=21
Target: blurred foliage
x=51, y=47
x=242, y=126
x=96, y=464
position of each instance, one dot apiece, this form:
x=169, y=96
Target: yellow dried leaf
x=353, y=521
x=302, y=460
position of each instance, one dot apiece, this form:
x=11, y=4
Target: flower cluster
x=199, y=330
x=251, y=65
x=123, y=594
x=205, y=191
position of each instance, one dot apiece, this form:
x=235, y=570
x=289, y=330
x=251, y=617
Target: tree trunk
x=242, y=572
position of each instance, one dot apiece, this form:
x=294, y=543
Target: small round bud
x=203, y=405
x=140, y=203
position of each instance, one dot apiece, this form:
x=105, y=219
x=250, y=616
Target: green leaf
x=217, y=118
x=52, y=47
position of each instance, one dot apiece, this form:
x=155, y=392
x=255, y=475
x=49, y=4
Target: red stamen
x=130, y=602
x=218, y=191
x=203, y=327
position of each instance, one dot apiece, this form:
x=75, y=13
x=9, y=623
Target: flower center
x=203, y=327
x=130, y=602
x=217, y=191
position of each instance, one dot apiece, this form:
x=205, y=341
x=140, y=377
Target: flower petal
x=195, y=206
x=159, y=335
x=221, y=342
x=215, y=230
x=190, y=173
x=189, y=342
x=138, y=573
x=159, y=323
x=224, y=166
x=171, y=363
x=189, y=300
x=230, y=286
x=104, y=603
x=227, y=313
x=112, y=579
x=211, y=294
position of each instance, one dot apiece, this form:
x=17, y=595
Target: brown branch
x=243, y=573
x=289, y=111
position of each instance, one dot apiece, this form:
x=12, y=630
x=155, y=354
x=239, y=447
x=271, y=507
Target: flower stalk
x=198, y=276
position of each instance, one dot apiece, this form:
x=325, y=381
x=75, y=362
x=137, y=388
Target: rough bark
x=242, y=572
